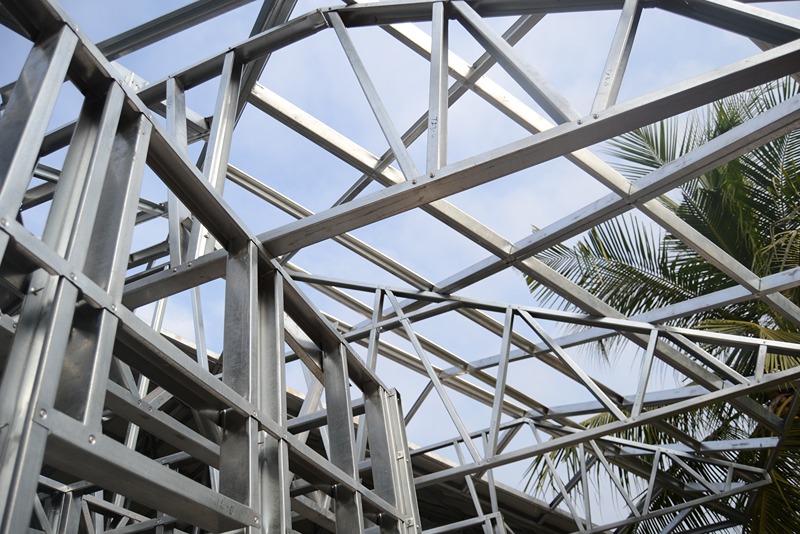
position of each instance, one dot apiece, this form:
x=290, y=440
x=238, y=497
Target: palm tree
x=750, y=208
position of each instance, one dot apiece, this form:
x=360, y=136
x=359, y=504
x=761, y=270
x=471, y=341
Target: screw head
x=73, y=276
x=42, y=413
x=4, y=222
x=580, y=121
x=92, y=439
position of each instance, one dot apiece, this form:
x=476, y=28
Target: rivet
x=432, y=175
x=255, y=520
x=4, y=222
x=114, y=307
x=92, y=439
x=73, y=276
x=580, y=121
x=174, y=269
x=595, y=116
x=42, y=413
x=190, y=264
x=413, y=181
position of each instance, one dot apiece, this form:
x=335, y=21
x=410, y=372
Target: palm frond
x=650, y=147
x=624, y=262
x=750, y=208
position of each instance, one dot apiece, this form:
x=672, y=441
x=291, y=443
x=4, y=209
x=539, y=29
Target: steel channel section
x=356, y=245
x=707, y=256
x=158, y=29
x=529, y=400
x=586, y=435
x=27, y=114
x=239, y=448
x=348, y=508
x=66, y=387
x=524, y=74
x=618, y=55
x=585, y=160
x=388, y=128
x=31, y=377
x=83, y=380
x=438, y=95
x=273, y=454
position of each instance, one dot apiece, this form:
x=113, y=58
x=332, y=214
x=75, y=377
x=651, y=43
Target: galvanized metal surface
x=111, y=423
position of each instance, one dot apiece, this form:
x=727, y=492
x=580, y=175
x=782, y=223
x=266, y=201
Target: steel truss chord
x=275, y=408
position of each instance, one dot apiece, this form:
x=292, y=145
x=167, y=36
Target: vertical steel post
x=82, y=388
x=25, y=119
x=176, y=129
x=349, y=518
x=274, y=453
x=37, y=355
x=438, y=95
x=388, y=451
x=239, y=473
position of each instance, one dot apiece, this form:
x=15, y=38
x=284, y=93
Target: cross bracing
x=196, y=337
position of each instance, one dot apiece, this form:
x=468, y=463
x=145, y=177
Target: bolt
x=113, y=307
x=595, y=116
x=73, y=276
x=174, y=269
x=92, y=439
x=255, y=520
x=190, y=264
x=42, y=413
x=4, y=222
x=413, y=182
x=432, y=175
x=580, y=121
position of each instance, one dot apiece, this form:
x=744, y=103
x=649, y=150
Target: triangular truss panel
x=185, y=346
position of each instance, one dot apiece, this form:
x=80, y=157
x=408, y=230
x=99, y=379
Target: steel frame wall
x=83, y=376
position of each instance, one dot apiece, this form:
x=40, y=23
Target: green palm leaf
x=750, y=208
